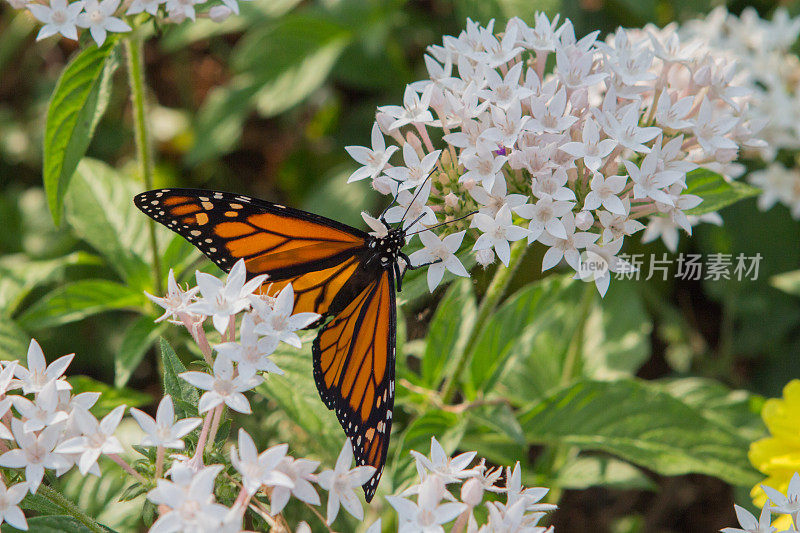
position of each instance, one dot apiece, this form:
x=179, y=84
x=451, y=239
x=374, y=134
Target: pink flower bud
x=726, y=155
x=472, y=492
x=219, y=13
x=468, y=184
x=382, y=184
x=584, y=220
x=484, y=257
x=451, y=200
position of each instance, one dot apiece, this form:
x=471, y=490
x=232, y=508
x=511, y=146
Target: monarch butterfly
x=338, y=271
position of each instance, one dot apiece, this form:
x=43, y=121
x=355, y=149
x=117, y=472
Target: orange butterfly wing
x=317, y=255
x=354, y=358
x=326, y=263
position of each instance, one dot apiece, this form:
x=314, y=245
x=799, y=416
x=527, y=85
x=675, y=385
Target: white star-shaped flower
x=10, y=512
x=222, y=386
x=341, y=482
x=252, y=352
x=176, y=301
x=428, y=514
x=300, y=472
x=99, y=18
x=221, y=300
x=58, y=17
x=35, y=453
x=39, y=373
x=440, y=250
x=374, y=160
x=97, y=438
x=591, y=148
x=259, y=469
x=751, y=524
x=497, y=232
x=280, y=323
x=441, y=465
x=164, y=430
x=605, y=192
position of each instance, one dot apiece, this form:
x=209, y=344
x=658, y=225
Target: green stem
x=559, y=455
x=70, y=508
x=575, y=349
x=497, y=287
x=135, y=49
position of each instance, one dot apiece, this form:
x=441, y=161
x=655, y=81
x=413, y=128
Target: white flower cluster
x=767, y=66
x=777, y=503
x=52, y=429
x=436, y=505
x=103, y=16
x=572, y=158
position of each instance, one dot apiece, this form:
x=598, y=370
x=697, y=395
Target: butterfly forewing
x=317, y=255
x=333, y=272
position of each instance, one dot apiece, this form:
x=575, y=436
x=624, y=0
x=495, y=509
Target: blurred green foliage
x=264, y=104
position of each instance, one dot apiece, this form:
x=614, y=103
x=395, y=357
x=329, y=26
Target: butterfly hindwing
x=354, y=358
x=316, y=254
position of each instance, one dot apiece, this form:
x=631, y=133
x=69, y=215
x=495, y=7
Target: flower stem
x=126, y=467
x=70, y=508
x=497, y=288
x=135, y=49
x=560, y=454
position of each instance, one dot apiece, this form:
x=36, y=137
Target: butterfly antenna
x=385, y=209
x=419, y=190
x=440, y=224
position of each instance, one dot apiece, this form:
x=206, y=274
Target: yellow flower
x=778, y=456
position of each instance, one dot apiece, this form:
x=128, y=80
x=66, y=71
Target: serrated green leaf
x=447, y=336
x=78, y=300
x=79, y=100
x=138, y=338
x=715, y=191
x=639, y=422
x=183, y=395
x=100, y=210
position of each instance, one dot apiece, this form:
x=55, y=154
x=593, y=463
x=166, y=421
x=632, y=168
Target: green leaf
x=788, y=282
x=138, y=338
x=78, y=300
x=296, y=396
x=79, y=100
x=278, y=67
x=738, y=410
x=13, y=341
x=715, y=191
x=448, y=332
x=19, y=275
x=184, y=396
x=52, y=524
x=530, y=330
x=617, y=334
x=99, y=207
x=111, y=397
x=584, y=472
x=639, y=422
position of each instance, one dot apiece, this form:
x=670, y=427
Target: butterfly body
x=346, y=275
